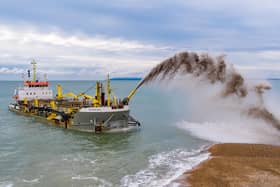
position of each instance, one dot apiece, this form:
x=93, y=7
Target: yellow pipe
x=51, y=116
x=70, y=94
x=36, y=103
x=69, y=110
x=126, y=100
x=25, y=102
x=59, y=92
x=131, y=93
x=95, y=102
x=97, y=92
x=108, y=91
x=53, y=105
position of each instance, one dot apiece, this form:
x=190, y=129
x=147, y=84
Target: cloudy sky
x=85, y=39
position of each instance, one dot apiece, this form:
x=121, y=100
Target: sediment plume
x=213, y=71
x=267, y=116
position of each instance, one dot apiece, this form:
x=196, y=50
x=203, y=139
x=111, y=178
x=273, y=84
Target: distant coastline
x=126, y=78
x=114, y=78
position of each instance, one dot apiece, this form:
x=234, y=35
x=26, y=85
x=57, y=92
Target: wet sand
x=253, y=165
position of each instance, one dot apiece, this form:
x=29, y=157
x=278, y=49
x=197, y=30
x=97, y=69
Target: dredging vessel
x=82, y=112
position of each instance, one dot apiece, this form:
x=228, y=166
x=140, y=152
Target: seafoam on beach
x=165, y=167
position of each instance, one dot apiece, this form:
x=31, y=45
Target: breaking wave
x=165, y=167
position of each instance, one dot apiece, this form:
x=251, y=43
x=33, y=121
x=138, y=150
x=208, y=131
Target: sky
x=86, y=39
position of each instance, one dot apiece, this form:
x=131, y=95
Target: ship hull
x=103, y=119
x=92, y=120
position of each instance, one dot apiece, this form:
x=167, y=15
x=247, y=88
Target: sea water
x=35, y=154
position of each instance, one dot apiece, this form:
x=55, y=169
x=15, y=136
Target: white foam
x=79, y=177
x=36, y=180
x=102, y=181
x=238, y=131
x=6, y=184
x=79, y=158
x=165, y=167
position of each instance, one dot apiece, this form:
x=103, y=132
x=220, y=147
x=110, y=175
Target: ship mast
x=108, y=91
x=33, y=63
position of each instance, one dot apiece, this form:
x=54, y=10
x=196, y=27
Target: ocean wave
x=165, y=167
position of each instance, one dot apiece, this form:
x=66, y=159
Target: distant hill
x=273, y=79
x=126, y=78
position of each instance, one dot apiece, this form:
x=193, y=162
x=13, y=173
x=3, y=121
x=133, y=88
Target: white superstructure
x=33, y=89
x=31, y=93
